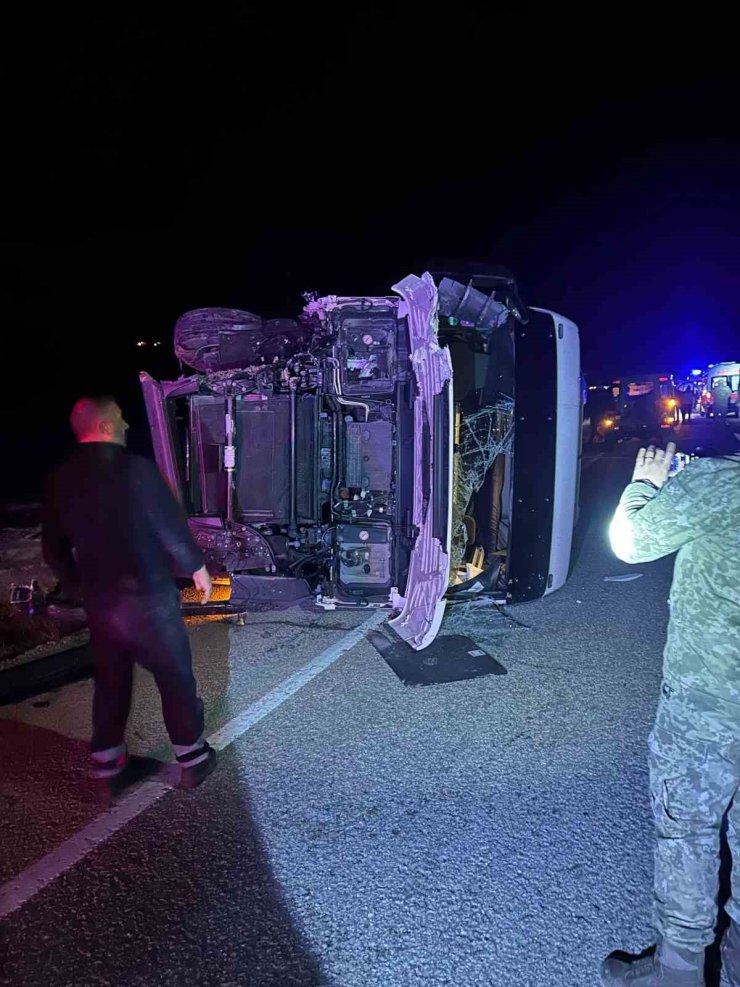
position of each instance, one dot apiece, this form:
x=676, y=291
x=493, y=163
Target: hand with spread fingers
x=654, y=465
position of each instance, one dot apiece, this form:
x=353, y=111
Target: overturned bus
x=380, y=452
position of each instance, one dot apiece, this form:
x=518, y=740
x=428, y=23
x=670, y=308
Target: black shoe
x=647, y=970
x=196, y=766
x=106, y=776
x=134, y=770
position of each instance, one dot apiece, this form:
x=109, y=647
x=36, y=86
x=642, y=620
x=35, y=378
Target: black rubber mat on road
x=450, y=658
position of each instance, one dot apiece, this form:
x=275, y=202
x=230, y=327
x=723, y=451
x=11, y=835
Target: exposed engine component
x=369, y=452
x=301, y=445
x=233, y=548
x=364, y=557
x=367, y=352
x=216, y=339
x=291, y=434
x=265, y=439
x=199, y=334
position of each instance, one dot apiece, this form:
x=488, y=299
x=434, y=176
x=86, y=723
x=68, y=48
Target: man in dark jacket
x=114, y=534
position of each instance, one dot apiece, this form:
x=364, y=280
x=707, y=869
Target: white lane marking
x=20, y=889
x=262, y=707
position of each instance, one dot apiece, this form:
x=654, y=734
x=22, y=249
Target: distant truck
x=645, y=404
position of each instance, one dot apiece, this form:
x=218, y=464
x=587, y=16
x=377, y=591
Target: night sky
x=161, y=158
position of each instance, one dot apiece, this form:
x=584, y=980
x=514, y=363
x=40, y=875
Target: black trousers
x=125, y=629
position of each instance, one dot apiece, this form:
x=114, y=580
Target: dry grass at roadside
x=20, y=632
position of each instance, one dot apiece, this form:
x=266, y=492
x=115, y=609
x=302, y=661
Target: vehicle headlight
x=607, y=422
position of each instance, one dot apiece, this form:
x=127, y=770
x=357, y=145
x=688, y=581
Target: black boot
x=107, y=771
x=196, y=765
x=665, y=966
x=730, y=951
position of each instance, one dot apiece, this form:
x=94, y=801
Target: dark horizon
x=161, y=165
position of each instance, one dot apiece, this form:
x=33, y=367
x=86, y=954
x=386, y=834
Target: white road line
x=259, y=709
x=24, y=886
x=20, y=889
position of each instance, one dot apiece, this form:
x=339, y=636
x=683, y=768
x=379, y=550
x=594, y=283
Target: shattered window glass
x=484, y=435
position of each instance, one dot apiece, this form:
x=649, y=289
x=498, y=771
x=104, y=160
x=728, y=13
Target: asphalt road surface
x=359, y=832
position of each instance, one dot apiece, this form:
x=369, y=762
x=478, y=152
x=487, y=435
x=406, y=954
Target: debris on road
x=486, y=616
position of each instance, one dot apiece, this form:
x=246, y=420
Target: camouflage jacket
x=697, y=514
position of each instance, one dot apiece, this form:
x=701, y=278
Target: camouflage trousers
x=694, y=760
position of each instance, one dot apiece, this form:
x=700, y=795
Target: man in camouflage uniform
x=694, y=747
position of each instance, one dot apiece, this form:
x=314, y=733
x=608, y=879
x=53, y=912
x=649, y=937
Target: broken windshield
x=484, y=435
